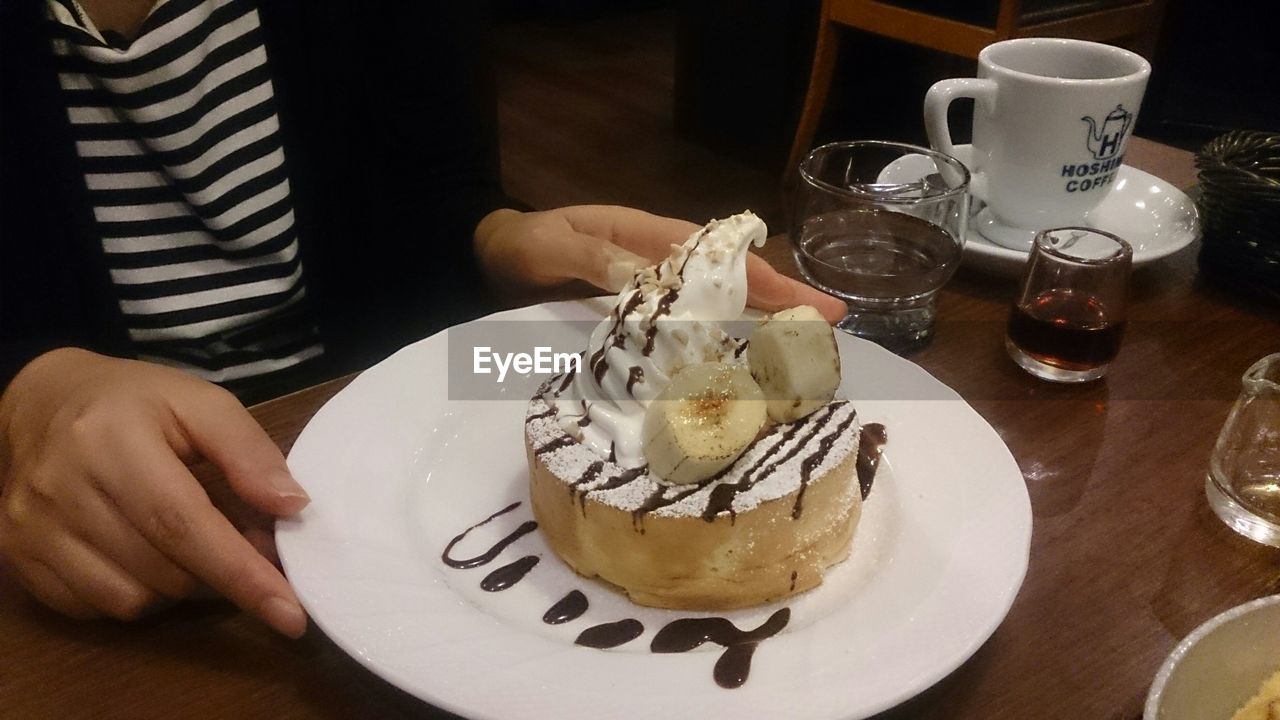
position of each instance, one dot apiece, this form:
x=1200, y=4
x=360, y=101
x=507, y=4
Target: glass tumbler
x=1068, y=319
x=881, y=225
x=1243, y=484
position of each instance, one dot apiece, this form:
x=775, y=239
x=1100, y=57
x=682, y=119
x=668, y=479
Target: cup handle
x=936, y=102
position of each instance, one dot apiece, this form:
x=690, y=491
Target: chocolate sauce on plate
x=734, y=665
x=509, y=574
x=870, y=443
x=568, y=608
x=611, y=635
x=487, y=556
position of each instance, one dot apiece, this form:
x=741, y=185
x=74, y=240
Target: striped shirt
x=180, y=146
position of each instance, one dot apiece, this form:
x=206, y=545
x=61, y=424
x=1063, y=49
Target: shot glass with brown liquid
x=1068, y=319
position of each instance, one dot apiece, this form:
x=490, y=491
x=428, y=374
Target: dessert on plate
x=1265, y=705
x=690, y=468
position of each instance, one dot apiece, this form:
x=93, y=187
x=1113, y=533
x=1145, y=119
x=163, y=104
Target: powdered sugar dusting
x=773, y=463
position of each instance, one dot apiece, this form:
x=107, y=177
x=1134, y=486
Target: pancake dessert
x=690, y=468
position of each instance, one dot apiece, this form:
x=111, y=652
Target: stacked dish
x=1240, y=207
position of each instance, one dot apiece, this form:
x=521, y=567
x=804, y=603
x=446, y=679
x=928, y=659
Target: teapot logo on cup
x=1051, y=120
x=1103, y=140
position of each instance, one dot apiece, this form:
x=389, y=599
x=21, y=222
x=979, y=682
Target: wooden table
x=1126, y=556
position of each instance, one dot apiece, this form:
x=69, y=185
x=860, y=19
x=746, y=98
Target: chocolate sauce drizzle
x=632, y=303
x=578, y=490
x=583, y=419
x=657, y=500
x=509, y=574
x=541, y=415
x=554, y=444
x=588, y=476
x=742, y=347
x=568, y=608
x=734, y=665
x=634, y=375
x=871, y=439
x=814, y=460
x=599, y=365
x=731, y=670
x=610, y=635
x=722, y=496
x=663, y=308
x=568, y=378
x=870, y=444
x=487, y=556
x=623, y=478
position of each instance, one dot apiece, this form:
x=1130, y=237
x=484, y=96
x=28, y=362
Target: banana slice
x=794, y=359
x=702, y=421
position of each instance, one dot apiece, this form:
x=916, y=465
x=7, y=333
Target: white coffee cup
x=1052, y=117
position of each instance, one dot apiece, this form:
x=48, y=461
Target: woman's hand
x=604, y=245
x=99, y=514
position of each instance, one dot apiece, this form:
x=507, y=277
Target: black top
x=389, y=126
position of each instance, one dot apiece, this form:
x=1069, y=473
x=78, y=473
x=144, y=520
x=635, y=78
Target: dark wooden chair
x=964, y=29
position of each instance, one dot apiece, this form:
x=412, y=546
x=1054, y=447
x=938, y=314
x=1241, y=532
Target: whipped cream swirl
x=668, y=316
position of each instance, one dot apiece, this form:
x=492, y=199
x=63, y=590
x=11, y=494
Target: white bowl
x=1220, y=665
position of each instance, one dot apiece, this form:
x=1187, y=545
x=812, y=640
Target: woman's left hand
x=604, y=245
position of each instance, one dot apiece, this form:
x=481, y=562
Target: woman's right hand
x=99, y=513
x=526, y=254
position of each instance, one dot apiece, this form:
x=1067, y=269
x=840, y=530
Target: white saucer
x=1156, y=218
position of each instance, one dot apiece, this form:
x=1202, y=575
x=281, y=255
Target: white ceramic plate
x=395, y=470
x=1156, y=218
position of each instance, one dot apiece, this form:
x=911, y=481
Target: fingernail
x=283, y=483
x=285, y=616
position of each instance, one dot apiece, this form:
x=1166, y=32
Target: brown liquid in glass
x=1067, y=329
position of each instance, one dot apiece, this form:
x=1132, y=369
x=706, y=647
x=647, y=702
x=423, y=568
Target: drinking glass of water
x=881, y=225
